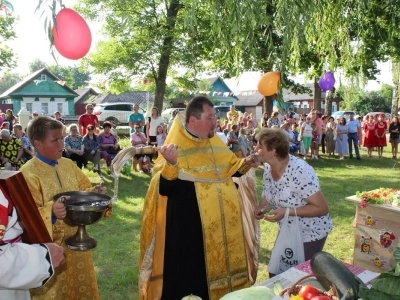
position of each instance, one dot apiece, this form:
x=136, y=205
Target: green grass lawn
x=117, y=253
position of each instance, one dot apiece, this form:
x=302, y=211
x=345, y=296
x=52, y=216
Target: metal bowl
x=84, y=208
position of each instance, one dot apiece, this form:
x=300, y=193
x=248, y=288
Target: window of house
x=43, y=77
x=45, y=108
x=60, y=108
x=28, y=107
x=304, y=104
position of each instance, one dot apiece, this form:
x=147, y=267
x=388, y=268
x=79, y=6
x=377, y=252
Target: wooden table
x=376, y=236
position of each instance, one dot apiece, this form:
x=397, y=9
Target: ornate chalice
x=83, y=208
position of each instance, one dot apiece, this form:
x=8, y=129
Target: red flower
x=363, y=203
x=380, y=196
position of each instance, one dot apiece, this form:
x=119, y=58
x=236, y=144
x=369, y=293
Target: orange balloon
x=269, y=83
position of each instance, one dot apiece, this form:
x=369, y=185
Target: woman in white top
x=289, y=182
x=151, y=125
x=306, y=135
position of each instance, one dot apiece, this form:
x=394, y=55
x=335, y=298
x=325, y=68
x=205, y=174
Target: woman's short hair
x=72, y=126
x=39, y=128
x=274, y=138
x=274, y=114
x=18, y=126
x=107, y=124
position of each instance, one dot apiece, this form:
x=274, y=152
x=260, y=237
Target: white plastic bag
x=288, y=250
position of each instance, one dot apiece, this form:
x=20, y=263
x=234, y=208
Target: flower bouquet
x=379, y=196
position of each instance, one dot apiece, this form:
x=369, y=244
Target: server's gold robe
x=76, y=279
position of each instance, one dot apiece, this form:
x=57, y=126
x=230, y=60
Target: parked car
x=388, y=116
x=116, y=113
x=342, y=114
x=166, y=114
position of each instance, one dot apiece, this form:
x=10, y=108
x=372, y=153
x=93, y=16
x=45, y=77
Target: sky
x=32, y=43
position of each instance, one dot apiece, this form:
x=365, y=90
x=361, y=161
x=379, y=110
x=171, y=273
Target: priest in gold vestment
x=192, y=237
x=48, y=174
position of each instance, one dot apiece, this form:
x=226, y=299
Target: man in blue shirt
x=354, y=132
x=136, y=118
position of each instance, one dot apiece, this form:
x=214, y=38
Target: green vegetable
x=253, y=293
x=277, y=287
x=386, y=286
x=326, y=264
x=371, y=294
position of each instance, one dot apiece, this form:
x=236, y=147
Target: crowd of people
x=314, y=133
x=202, y=193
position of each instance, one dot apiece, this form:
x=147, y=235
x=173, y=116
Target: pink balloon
x=72, y=36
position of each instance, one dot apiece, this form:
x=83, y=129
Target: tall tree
x=396, y=86
x=146, y=36
x=81, y=77
x=8, y=80
x=150, y=36
x=63, y=73
x=7, y=33
x=36, y=64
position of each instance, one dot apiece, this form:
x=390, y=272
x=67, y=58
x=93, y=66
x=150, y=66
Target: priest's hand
x=251, y=161
x=56, y=253
x=170, y=153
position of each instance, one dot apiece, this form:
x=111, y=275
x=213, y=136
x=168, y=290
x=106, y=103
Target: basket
x=295, y=289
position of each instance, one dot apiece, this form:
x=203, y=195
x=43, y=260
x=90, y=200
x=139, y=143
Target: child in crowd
x=160, y=136
x=306, y=135
x=46, y=175
x=296, y=136
x=243, y=141
x=314, y=143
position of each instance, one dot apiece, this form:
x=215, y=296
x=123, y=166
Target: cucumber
x=326, y=264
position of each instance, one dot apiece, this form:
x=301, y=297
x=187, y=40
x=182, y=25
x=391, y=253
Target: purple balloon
x=329, y=75
x=326, y=81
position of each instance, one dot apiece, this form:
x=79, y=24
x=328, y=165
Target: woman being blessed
x=291, y=183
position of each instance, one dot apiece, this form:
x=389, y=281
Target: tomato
x=307, y=292
x=321, y=298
